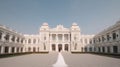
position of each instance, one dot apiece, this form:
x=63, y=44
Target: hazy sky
x=26, y=16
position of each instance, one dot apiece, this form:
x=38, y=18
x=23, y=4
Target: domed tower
x=75, y=37
x=44, y=27
x=44, y=36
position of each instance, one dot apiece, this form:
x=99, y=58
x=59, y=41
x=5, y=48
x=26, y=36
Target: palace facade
x=60, y=39
x=107, y=41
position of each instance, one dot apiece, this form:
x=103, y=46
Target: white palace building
x=60, y=39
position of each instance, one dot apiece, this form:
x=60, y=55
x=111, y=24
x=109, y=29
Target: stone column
x=15, y=39
x=15, y=50
x=2, y=49
x=97, y=48
x=111, y=49
x=101, y=49
x=63, y=47
x=26, y=49
x=20, y=49
x=27, y=41
x=56, y=47
x=57, y=37
x=9, y=49
x=10, y=37
x=63, y=39
x=69, y=37
x=3, y=35
x=106, y=49
x=23, y=49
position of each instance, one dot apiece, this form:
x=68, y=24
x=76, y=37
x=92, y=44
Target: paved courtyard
x=47, y=60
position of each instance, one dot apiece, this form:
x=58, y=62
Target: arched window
x=114, y=36
x=22, y=40
x=108, y=37
x=34, y=49
x=18, y=39
x=6, y=49
x=53, y=47
x=53, y=37
x=103, y=38
x=21, y=49
x=90, y=49
x=59, y=37
x=66, y=37
x=25, y=41
x=17, y=49
x=90, y=41
x=7, y=37
x=29, y=49
x=13, y=49
x=99, y=39
x=13, y=38
x=66, y=47
x=29, y=41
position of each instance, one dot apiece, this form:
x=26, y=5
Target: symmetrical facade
x=57, y=39
x=60, y=39
x=48, y=39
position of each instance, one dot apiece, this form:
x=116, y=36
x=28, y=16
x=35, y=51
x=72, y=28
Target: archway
x=53, y=47
x=34, y=49
x=59, y=47
x=29, y=49
x=115, y=49
x=66, y=47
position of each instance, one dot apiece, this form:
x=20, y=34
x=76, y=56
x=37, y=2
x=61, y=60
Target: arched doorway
x=115, y=49
x=66, y=47
x=34, y=49
x=59, y=47
x=29, y=49
x=53, y=47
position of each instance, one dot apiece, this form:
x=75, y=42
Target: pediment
x=59, y=28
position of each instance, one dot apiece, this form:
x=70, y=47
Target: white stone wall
x=108, y=40
x=10, y=41
x=71, y=39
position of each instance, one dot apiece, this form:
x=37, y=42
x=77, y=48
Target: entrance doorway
x=34, y=49
x=59, y=47
x=53, y=47
x=115, y=49
x=66, y=47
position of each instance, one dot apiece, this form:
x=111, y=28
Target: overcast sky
x=26, y=16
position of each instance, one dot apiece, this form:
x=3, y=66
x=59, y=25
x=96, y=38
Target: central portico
x=59, y=38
